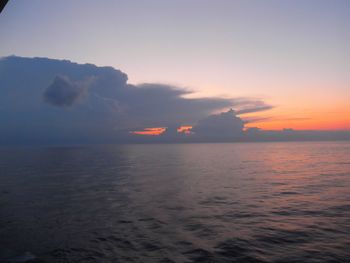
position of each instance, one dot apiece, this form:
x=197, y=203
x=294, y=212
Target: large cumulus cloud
x=64, y=100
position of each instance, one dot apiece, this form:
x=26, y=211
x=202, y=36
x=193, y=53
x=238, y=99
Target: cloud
x=64, y=92
x=256, y=119
x=224, y=125
x=155, y=104
x=250, y=106
x=103, y=106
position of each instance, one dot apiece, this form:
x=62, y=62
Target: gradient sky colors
x=292, y=54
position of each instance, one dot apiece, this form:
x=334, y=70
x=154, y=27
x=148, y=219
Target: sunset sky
x=293, y=55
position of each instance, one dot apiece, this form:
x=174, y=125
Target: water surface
x=239, y=202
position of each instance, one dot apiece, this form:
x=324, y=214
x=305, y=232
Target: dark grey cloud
x=64, y=92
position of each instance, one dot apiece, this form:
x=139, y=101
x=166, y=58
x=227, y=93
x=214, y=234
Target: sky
x=293, y=55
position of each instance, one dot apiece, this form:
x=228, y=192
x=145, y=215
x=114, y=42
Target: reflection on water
x=253, y=202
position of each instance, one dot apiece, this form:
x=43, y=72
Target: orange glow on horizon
x=277, y=120
x=304, y=113
x=185, y=129
x=300, y=125
x=322, y=120
x=154, y=131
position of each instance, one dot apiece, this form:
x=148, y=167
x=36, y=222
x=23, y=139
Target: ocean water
x=235, y=202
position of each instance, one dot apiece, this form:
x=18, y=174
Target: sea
x=215, y=202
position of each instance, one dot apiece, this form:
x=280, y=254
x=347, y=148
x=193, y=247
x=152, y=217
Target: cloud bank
x=47, y=100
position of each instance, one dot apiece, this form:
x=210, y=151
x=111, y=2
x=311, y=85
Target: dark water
x=253, y=202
